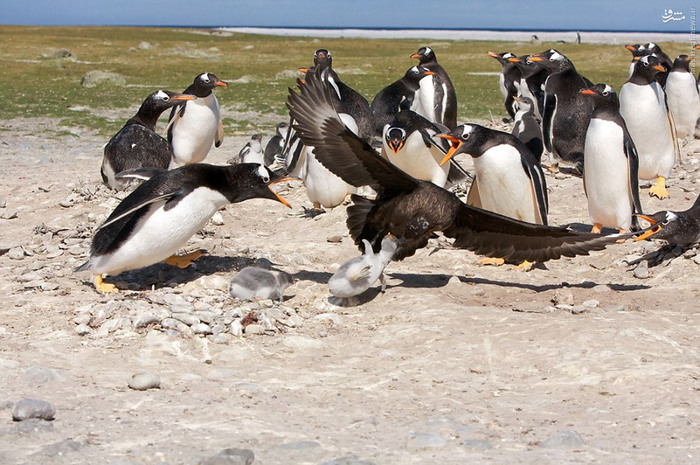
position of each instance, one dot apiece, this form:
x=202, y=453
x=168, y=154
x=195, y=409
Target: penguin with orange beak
x=674, y=227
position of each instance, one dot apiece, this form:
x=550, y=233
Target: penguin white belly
x=606, y=175
x=502, y=85
x=419, y=161
x=194, y=133
x=683, y=102
x=504, y=187
x=424, y=102
x=322, y=186
x=160, y=233
x=648, y=125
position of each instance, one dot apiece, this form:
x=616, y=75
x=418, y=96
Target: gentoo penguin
x=409, y=145
x=357, y=274
x=445, y=111
x=258, y=283
x=275, y=145
x=532, y=77
x=682, y=97
x=526, y=127
x=413, y=210
x=137, y=145
x=643, y=106
x=162, y=213
x=610, y=175
x=195, y=126
x=397, y=96
x=508, y=80
x=674, y=227
x=566, y=112
x=650, y=48
x=252, y=151
x=508, y=178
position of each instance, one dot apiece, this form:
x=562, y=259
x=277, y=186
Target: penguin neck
x=642, y=79
x=197, y=91
x=147, y=117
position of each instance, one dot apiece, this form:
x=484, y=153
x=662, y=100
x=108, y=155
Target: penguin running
x=682, y=97
x=357, y=274
x=137, y=145
x=397, y=96
x=162, y=213
x=674, y=227
x=258, y=283
x=611, y=165
x=195, y=126
x=643, y=107
x=566, y=112
x=436, y=93
x=275, y=146
x=413, y=210
x=508, y=80
x=252, y=151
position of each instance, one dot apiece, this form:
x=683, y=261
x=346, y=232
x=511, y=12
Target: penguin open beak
x=395, y=145
x=456, y=144
x=631, y=48
x=654, y=227
x=281, y=200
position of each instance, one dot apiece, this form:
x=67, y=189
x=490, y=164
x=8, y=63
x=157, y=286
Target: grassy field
x=38, y=80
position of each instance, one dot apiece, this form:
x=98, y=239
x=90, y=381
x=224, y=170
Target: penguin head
x=551, y=59
x=662, y=225
x=161, y=100
x=601, y=92
x=282, y=129
x=253, y=181
x=636, y=49
x=648, y=67
x=424, y=55
x=395, y=138
x=682, y=63
x=205, y=82
x=523, y=103
x=464, y=138
x=416, y=73
x=390, y=244
x=322, y=58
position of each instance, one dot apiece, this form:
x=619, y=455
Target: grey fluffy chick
x=356, y=275
x=258, y=283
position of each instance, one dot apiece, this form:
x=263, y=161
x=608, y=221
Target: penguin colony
x=398, y=149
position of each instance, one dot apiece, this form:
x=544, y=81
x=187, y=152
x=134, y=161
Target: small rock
x=696, y=259
x=563, y=297
x=201, y=328
x=255, y=329
x=143, y=381
x=9, y=214
x=564, y=440
x=335, y=239
x=642, y=270
x=39, y=375
x=15, y=253
x=144, y=320
x=187, y=318
x=348, y=460
x=32, y=408
x=236, y=328
x=82, y=330
x=217, y=219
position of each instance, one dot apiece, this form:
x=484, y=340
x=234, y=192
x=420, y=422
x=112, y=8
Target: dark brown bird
x=414, y=210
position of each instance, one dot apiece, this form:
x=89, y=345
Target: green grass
x=36, y=82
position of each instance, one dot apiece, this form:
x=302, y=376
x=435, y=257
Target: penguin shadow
x=420, y=281
x=549, y=287
x=161, y=275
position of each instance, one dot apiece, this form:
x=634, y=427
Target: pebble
x=231, y=456
x=143, y=381
x=32, y=408
x=236, y=328
x=563, y=440
x=15, y=253
x=187, y=318
x=696, y=259
x=82, y=330
x=348, y=460
x=39, y=375
x=255, y=329
x=217, y=219
x=201, y=328
x=641, y=271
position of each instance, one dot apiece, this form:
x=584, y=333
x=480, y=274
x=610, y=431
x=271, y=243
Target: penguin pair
x=413, y=210
x=682, y=97
x=643, y=107
x=195, y=126
x=508, y=80
x=436, y=98
x=650, y=48
x=136, y=144
x=162, y=213
x=611, y=164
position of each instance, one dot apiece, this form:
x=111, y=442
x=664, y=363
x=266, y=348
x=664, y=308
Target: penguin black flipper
x=534, y=172
x=490, y=234
x=633, y=163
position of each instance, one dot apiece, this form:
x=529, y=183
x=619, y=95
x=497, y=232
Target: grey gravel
x=642, y=270
x=563, y=440
x=425, y=441
x=231, y=456
x=33, y=408
x=144, y=381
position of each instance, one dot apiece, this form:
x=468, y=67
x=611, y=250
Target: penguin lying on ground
x=161, y=214
x=674, y=227
x=195, y=126
x=137, y=145
x=356, y=275
x=258, y=283
x=412, y=210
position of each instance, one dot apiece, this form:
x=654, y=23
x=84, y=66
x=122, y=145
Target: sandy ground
x=576, y=362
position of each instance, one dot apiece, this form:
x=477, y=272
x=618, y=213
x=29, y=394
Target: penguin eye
x=606, y=93
x=166, y=98
x=266, y=179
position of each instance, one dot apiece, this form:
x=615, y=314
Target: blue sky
x=626, y=15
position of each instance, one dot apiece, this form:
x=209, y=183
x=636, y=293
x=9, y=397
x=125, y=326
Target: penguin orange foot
x=102, y=286
x=659, y=188
x=183, y=261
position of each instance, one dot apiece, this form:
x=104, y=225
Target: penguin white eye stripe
x=467, y=130
x=428, y=50
x=206, y=77
x=162, y=95
x=670, y=216
x=262, y=172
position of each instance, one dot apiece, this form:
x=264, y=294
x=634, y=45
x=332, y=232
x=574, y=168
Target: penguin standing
x=508, y=80
x=275, y=145
x=532, y=78
x=610, y=175
x=682, y=97
x=566, y=112
x=643, y=107
x=162, y=213
x=252, y=151
x=137, y=145
x=526, y=127
x=195, y=126
x=437, y=89
x=397, y=96
x=508, y=178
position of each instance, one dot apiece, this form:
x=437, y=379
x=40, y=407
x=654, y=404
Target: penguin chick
x=357, y=274
x=161, y=214
x=252, y=152
x=258, y=283
x=137, y=145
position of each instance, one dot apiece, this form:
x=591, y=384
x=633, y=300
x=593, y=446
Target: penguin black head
x=552, y=60
x=252, y=181
x=395, y=138
x=424, y=55
x=503, y=57
x=204, y=83
x=682, y=63
x=465, y=138
x=602, y=95
x=636, y=49
x=322, y=58
x=663, y=225
x=158, y=102
x=647, y=67
x=416, y=73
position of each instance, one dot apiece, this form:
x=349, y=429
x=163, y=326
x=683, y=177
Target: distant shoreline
x=609, y=37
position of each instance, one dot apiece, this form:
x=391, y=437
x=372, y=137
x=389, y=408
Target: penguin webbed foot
x=312, y=212
x=659, y=189
x=183, y=261
x=102, y=286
